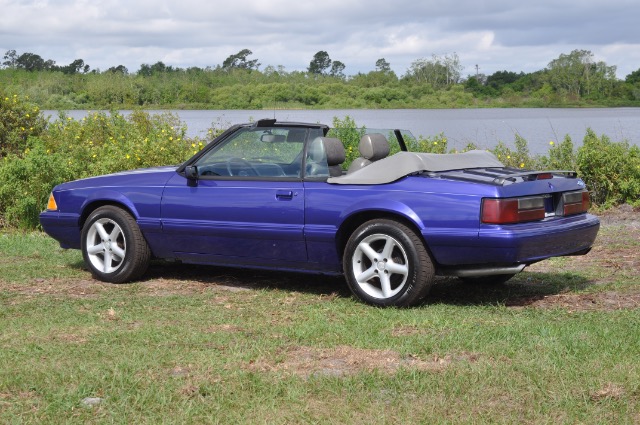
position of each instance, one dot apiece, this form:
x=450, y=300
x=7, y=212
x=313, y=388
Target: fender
x=109, y=196
x=393, y=207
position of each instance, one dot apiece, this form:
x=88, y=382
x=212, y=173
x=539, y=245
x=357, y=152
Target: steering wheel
x=241, y=166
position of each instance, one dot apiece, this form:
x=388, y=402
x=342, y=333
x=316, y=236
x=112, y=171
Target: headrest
x=373, y=146
x=329, y=148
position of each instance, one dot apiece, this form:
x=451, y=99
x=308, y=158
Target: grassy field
x=558, y=344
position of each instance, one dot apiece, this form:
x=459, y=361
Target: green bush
x=561, y=156
x=434, y=144
x=27, y=181
x=611, y=170
x=105, y=143
x=71, y=149
x=19, y=120
x=518, y=158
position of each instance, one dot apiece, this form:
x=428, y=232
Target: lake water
x=484, y=127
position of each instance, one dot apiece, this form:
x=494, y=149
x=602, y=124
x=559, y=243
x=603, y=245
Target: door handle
x=284, y=195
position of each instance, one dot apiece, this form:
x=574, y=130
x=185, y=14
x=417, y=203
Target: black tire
x=493, y=280
x=399, y=258
x=113, y=246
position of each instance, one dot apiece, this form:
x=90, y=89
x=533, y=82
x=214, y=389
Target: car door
x=245, y=203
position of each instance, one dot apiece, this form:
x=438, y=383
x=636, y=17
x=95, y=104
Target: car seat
x=372, y=147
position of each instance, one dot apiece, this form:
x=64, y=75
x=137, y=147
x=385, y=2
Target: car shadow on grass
x=238, y=278
x=522, y=290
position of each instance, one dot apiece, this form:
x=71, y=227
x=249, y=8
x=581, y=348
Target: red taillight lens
x=514, y=210
x=575, y=202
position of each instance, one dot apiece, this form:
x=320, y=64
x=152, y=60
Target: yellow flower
x=128, y=156
x=522, y=165
x=94, y=155
x=508, y=156
x=193, y=145
x=551, y=143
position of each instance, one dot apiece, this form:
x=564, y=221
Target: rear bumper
x=522, y=243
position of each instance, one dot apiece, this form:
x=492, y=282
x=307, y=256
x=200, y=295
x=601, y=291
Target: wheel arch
x=353, y=221
x=116, y=200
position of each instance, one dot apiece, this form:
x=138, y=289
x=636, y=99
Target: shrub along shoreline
x=36, y=155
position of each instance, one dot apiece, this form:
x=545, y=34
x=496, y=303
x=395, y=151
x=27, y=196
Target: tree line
x=573, y=79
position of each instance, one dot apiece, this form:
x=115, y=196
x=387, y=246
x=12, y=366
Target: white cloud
x=495, y=34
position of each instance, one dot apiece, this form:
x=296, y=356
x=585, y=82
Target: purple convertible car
x=279, y=196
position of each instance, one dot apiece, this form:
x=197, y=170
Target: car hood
x=144, y=176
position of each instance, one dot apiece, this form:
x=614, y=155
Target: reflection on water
x=483, y=127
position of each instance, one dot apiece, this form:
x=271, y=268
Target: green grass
x=208, y=345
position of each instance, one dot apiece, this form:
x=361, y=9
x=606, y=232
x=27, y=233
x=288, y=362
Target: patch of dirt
x=623, y=215
x=601, y=301
x=610, y=391
x=345, y=360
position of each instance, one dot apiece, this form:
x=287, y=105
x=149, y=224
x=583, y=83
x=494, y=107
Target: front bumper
x=64, y=228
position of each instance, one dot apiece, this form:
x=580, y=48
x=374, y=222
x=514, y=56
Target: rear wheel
x=386, y=264
x=113, y=247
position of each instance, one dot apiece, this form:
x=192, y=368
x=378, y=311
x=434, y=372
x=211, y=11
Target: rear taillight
x=512, y=210
x=575, y=202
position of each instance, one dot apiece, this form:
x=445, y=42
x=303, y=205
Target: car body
x=276, y=196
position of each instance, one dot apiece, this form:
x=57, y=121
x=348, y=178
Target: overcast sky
x=494, y=34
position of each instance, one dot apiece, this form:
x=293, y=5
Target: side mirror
x=191, y=173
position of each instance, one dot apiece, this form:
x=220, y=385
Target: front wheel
x=113, y=247
x=386, y=264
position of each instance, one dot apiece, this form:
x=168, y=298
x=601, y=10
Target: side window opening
x=263, y=152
